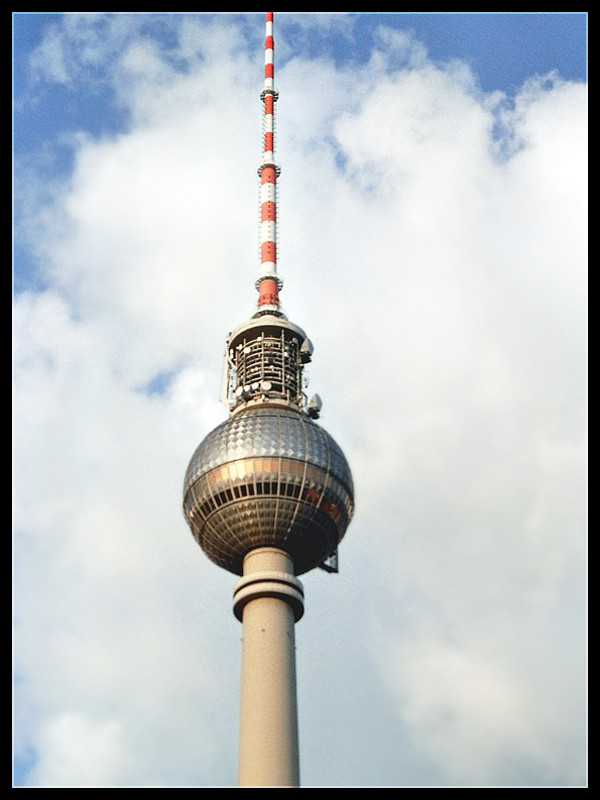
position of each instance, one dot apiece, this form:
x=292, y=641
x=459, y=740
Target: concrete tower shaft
x=270, y=600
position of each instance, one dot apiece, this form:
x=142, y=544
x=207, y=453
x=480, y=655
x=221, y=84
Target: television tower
x=268, y=494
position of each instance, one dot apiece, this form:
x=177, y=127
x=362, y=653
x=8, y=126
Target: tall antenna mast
x=268, y=282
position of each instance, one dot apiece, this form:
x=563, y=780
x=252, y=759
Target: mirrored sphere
x=268, y=477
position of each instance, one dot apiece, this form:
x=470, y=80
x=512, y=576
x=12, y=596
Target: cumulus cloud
x=433, y=247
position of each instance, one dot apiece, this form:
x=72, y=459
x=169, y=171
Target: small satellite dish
x=306, y=351
x=315, y=404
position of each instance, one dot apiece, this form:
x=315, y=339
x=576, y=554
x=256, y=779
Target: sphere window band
x=283, y=477
x=272, y=499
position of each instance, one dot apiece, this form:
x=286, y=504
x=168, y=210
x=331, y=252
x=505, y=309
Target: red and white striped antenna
x=268, y=282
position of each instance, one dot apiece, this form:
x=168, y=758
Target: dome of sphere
x=268, y=477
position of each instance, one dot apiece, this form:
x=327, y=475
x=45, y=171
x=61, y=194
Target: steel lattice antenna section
x=268, y=494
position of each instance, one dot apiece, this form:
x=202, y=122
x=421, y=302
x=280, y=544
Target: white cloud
x=443, y=287
x=75, y=747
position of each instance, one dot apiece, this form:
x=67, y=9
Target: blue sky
x=433, y=244
x=503, y=49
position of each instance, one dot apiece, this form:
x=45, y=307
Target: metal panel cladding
x=268, y=478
